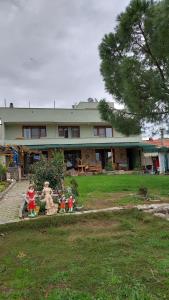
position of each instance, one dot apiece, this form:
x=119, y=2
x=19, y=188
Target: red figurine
x=63, y=204
x=30, y=195
x=71, y=201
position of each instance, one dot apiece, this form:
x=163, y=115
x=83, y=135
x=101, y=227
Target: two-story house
x=78, y=131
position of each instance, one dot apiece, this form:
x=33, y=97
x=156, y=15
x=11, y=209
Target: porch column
x=162, y=162
x=2, y=132
x=112, y=156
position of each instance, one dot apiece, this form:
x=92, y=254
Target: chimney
x=11, y=105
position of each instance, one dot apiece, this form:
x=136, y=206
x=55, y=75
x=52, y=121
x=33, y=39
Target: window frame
x=75, y=127
x=69, y=131
x=63, y=128
x=33, y=127
x=97, y=128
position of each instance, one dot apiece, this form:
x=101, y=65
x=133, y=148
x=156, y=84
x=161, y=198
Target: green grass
x=104, y=186
x=3, y=185
x=122, y=255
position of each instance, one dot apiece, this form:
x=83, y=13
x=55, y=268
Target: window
x=63, y=131
x=34, y=132
x=75, y=132
x=69, y=132
x=103, y=131
x=27, y=133
x=108, y=132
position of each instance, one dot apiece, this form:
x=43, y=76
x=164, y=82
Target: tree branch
x=138, y=114
x=153, y=57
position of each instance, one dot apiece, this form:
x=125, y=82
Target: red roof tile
x=159, y=142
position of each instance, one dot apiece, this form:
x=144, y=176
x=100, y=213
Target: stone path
x=9, y=205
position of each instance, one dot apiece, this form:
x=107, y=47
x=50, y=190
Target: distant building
x=156, y=157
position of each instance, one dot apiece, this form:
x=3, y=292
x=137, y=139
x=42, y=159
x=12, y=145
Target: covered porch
x=99, y=159
x=95, y=158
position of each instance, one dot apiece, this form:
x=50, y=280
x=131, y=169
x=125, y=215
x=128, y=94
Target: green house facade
x=79, y=132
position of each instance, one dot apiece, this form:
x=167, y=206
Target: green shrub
x=41, y=204
x=74, y=187
x=51, y=170
x=3, y=171
x=2, y=187
x=109, y=167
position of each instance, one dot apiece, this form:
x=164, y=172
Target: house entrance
x=71, y=158
x=104, y=156
x=133, y=157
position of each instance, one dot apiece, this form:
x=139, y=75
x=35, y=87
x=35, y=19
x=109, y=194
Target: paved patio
x=9, y=205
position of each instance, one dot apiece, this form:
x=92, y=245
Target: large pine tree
x=135, y=66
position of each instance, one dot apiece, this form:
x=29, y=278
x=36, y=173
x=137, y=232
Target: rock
x=164, y=216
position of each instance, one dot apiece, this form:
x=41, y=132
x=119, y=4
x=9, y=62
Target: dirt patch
x=89, y=224
x=6, y=290
x=94, y=229
x=163, y=199
x=110, y=200
x=60, y=286
x=96, y=235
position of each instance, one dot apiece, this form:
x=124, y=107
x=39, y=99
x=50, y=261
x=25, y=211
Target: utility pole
x=162, y=135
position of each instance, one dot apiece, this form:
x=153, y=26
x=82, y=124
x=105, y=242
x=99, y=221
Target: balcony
x=72, y=141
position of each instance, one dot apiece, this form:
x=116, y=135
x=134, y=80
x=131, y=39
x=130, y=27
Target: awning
x=91, y=145
x=150, y=154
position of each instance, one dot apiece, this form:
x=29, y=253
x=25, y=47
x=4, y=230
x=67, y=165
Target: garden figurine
x=71, y=201
x=30, y=195
x=63, y=204
x=51, y=207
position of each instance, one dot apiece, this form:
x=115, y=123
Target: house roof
x=82, y=113
x=46, y=115
x=159, y=143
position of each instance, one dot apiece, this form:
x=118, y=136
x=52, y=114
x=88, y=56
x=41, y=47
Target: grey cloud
x=49, y=49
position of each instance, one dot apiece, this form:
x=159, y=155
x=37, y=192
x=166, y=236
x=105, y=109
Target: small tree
x=48, y=170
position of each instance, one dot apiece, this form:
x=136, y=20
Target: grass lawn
x=121, y=255
x=102, y=190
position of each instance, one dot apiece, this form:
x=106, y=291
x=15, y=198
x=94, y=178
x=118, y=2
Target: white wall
x=162, y=162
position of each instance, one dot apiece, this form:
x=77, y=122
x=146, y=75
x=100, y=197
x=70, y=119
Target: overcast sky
x=49, y=50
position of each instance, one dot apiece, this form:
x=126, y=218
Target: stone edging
x=7, y=190
x=145, y=207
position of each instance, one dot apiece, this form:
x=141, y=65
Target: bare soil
x=94, y=229
x=110, y=200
